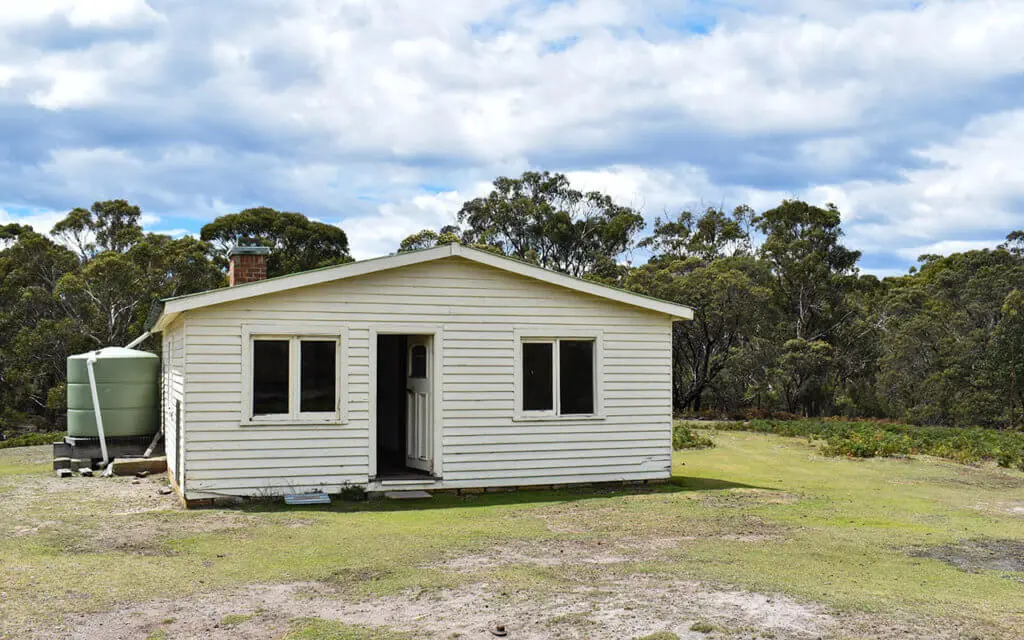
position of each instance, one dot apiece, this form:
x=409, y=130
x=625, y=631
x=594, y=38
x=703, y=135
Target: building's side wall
x=173, y=389
x=478, y=308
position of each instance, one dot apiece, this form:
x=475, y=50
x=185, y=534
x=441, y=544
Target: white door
x=419, y=438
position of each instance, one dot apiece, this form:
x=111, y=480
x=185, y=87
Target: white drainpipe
x=156, y=437
x=96, y=406
x=137, y=341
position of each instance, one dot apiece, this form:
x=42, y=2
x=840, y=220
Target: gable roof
x=172, y=307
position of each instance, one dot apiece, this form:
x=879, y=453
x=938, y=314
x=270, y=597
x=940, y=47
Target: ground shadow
x=676, y=484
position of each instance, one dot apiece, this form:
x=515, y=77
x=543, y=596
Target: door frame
x=436, y=332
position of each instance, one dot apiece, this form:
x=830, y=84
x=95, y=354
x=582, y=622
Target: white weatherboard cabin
x=446, y=368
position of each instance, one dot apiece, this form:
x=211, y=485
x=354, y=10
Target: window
x=318, y=377
x=538, y=378
x=418, y=362
x=293, y=378
x=576, y=376
x=269, y=377
x=557, y=377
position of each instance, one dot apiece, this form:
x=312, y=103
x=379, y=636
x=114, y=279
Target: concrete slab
x=132, y=466
x=406, y=495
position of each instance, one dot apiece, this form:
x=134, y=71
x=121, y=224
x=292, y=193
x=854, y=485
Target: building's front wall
x=478, y=311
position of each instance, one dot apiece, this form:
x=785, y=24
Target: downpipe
x=137, y=341
x=89, y=364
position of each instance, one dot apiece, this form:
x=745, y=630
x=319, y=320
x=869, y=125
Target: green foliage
x=296, y=242
x=352, y=493
x=812, y=269
x=540, y=218
x=706, y=262
x=884, y=439
x=702, y=627
x=32, y=439
x=783, y=321
x=683, y=437
x=427, y=238
x=96, y=287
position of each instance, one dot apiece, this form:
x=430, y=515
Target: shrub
x=352, y=493
x=870, y=438
x=684, y=437
x=32, y=439
x=702, y=627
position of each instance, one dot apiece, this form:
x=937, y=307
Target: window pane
x=576, y=376
x=418, y=364
x=317, y=358
x=269, y=377
x=537, y=376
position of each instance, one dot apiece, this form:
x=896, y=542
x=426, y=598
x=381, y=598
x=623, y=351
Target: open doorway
x=404, y=416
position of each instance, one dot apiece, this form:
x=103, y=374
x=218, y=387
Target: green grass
x=757, y=512
x=33, y=460
x=320, y=629
x=235, y=619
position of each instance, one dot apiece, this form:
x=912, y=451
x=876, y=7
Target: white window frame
x=552, y=335
x=294, y=334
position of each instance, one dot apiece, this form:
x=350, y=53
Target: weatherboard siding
x=173, y=347
x=477, y=307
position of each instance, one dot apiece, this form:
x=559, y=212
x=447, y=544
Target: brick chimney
x=247, y=264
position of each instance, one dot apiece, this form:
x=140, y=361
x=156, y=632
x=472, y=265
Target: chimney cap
x=248, y=251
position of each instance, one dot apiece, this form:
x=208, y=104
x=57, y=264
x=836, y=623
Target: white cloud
x=946, y=247
x=104, y=13
x=386, y=116
x=40, y=221
x=972, y=185
x=381, y=232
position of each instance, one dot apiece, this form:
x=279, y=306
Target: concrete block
x=61, y=450
x=406, y=495
x=63, y=473
x=61, y=463
x=133, y=466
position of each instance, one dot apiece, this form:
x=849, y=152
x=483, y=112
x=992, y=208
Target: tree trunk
x=1013, y=394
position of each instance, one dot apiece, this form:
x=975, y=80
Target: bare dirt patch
x=136, y=519
x=624, y=608
x=978, y=555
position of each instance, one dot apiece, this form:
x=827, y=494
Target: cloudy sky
x=383, y=116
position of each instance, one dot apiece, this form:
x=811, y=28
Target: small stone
x=136, y=481
x=165, y=491
x=63, y=473
x=142, y=474
x=85, y=471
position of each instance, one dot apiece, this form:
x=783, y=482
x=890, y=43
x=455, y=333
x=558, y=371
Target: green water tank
x=128, y=385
